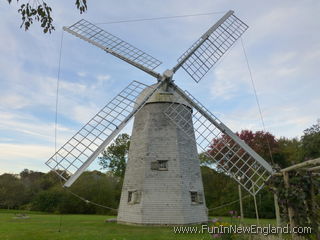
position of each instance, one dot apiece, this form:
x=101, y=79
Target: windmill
x=162, y=183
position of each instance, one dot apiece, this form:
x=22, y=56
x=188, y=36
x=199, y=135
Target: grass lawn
x=87, y=227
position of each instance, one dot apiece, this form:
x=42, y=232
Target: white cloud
x=16, y=157
x=31, y=126
x=84, y=113
x=13, y=101
x=102, y=81
x=72, y=87
x=82, y=74
x=103, y=77
x=283, y=58
x=224, y=88
x=25, y=150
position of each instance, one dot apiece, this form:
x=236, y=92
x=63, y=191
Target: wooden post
x=290, y=209
x=277, y=210
x=313, y=208
x=241, y=207
x=256, y=206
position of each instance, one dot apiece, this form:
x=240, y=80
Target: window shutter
x=136, y=197
x=154, y=165
x=200, y=198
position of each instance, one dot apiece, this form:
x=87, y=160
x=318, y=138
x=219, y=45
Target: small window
x=160, y=165
x=194, y=197
x=163, y=164
x=134, y=197
x=130, y=193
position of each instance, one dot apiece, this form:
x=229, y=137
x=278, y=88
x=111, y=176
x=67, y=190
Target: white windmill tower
x=163, y=182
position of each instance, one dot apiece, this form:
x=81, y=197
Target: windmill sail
x=211, y=46
x=78, y=153
x=114, y=45
x=230, y=154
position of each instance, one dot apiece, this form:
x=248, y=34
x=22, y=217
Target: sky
x=282, y=45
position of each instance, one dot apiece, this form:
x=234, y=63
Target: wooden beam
x=301, y=165
x=314, y=168
x=281, y=174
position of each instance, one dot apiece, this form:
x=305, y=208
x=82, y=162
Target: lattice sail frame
x=114, y=45
x=77, y=153
x=211, y=46
x=244, y=166
x=233, y=157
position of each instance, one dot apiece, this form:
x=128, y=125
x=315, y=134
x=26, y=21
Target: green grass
x=87, y=227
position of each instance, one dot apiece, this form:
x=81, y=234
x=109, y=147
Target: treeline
x=39, y=191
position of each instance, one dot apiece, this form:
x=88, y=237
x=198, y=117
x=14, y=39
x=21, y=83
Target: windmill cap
x=161, y=95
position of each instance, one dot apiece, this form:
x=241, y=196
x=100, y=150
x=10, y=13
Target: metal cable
x=257, y=99
x=88, y=201
x=161, y=18
x=55, y=135
x=227, y=204
x=56, y=113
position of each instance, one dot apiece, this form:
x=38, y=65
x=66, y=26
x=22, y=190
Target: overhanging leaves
x=41, y=12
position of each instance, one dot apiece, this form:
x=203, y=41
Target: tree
x=12, y=191
x=97, y=187
x=311, y=142
x=115, y=156
x=290, y=152
x=260, y=142
x=220, y=149
x=47, y=201
x=41, y=12
x=215, y=194
x=264, y=143
x=228, y=156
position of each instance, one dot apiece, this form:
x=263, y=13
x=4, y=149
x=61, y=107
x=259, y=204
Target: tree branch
x=42, y=13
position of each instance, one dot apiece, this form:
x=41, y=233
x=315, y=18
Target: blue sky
x=282, y=43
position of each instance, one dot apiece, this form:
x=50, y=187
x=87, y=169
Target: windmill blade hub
x=168, y=73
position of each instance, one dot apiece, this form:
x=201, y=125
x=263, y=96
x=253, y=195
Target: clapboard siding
x=165, y=195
